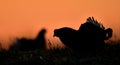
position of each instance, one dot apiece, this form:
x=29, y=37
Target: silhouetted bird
x=89, y=36
x=31, y=44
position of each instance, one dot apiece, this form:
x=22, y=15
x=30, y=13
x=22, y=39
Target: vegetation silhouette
x=30, y=44
x=89, y=37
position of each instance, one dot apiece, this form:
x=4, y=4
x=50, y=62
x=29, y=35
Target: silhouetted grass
x=55, y=56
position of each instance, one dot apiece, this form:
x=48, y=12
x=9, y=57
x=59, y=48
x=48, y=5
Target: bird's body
x=31, y=44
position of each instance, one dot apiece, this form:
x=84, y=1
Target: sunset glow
x=24, y=18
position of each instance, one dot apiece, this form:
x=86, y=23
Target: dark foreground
x=109, y=56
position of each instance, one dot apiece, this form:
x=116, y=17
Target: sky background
x=24, y=18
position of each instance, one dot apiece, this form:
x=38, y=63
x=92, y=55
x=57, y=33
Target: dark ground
x=109, y=56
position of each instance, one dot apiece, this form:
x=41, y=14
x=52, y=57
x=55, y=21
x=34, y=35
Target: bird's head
x=56, y=33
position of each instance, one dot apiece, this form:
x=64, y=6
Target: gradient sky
x=24, y=18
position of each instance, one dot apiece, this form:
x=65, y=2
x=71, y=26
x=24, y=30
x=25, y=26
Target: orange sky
x=24, y=18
